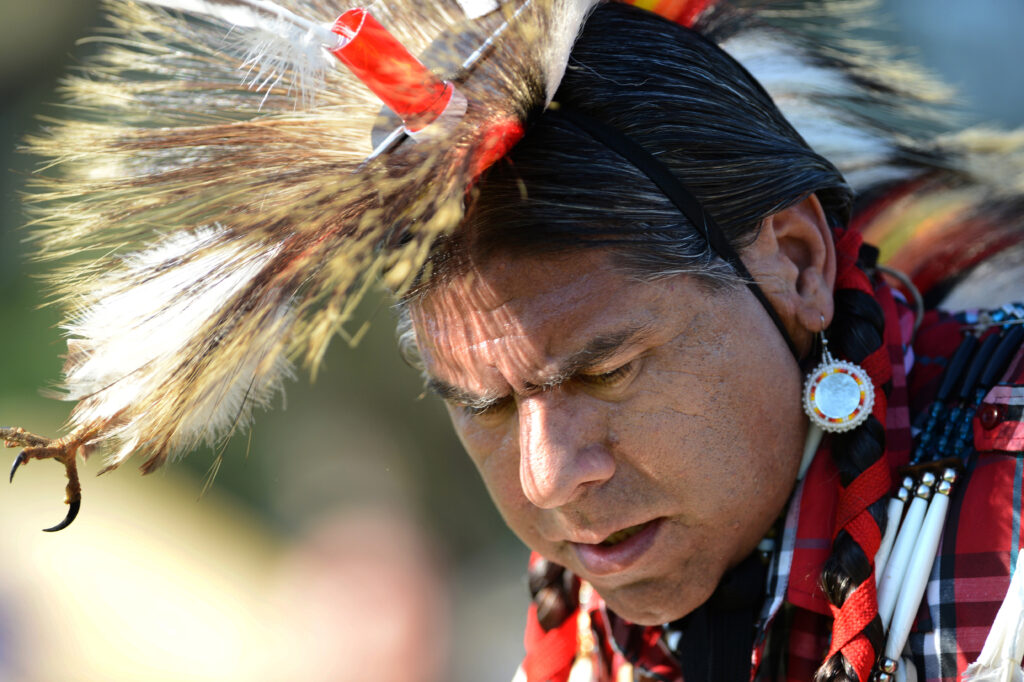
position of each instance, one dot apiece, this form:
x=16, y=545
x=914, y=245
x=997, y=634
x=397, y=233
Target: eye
x=490, y=408
x=616, y=377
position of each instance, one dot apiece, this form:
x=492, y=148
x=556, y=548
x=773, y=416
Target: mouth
x=619, y=551
x=621, y=535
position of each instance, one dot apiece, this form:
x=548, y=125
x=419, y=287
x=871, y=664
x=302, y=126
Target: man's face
x=644, y=435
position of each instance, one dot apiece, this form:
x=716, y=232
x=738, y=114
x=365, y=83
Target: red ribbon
x=848, y=275
x=865, y=490
x=852, y=514
x=857, y=612
x=549, y=655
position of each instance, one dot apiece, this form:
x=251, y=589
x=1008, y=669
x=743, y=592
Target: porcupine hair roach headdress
x=223, y=207
x=221, y=224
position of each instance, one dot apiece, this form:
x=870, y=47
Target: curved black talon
x=73, y=508
x=18, y=461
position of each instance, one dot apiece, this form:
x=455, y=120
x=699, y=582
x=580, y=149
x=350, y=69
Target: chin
x=643, y=604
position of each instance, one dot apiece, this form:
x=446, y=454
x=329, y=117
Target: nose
x=562, y=447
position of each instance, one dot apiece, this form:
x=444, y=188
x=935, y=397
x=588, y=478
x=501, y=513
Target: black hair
x=683, y=99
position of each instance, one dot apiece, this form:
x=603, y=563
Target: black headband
x=672, y=188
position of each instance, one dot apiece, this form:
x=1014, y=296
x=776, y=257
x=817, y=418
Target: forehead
x=521, y=316
x=520, y=290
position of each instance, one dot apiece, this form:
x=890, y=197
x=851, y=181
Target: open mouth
x=622, y=535
x=619, y=551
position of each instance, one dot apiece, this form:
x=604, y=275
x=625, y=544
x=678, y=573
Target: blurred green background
x=347, y=537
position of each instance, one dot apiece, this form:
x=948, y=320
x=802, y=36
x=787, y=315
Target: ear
x=794, y=261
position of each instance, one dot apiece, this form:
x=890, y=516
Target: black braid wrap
x=856, y=331
x=555, y=590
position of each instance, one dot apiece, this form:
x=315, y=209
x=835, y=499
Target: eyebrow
x=598, y=350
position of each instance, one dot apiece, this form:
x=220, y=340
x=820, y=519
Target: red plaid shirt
x=969, y=578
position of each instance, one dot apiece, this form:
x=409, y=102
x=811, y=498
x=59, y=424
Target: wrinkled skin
x=591, y=402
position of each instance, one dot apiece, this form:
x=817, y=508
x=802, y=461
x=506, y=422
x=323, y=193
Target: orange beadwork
x=685, y=12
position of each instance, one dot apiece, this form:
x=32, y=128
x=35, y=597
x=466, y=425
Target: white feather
x=1000, y=657
x=474, y=9
x=565, y=31
x=808, y=95
x=997, y=278
x=140, y=322
x=259, y=14
x=278, y=41
x=773, y=61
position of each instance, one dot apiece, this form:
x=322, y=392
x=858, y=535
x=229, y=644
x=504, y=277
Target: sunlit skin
x=592, y=402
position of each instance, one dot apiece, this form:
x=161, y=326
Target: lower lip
x=605, y=560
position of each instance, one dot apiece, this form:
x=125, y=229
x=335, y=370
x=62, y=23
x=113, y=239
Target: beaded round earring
x=838, y=395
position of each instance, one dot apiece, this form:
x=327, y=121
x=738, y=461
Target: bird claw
x=18, y=461
x=73, y=508
x=63, y=450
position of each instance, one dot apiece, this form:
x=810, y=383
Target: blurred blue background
x=348, y=538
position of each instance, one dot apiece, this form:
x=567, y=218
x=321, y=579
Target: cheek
x=757, y=439
x=665, y=429
x=723, y=451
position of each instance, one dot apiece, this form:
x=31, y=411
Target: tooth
x=620, y=535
